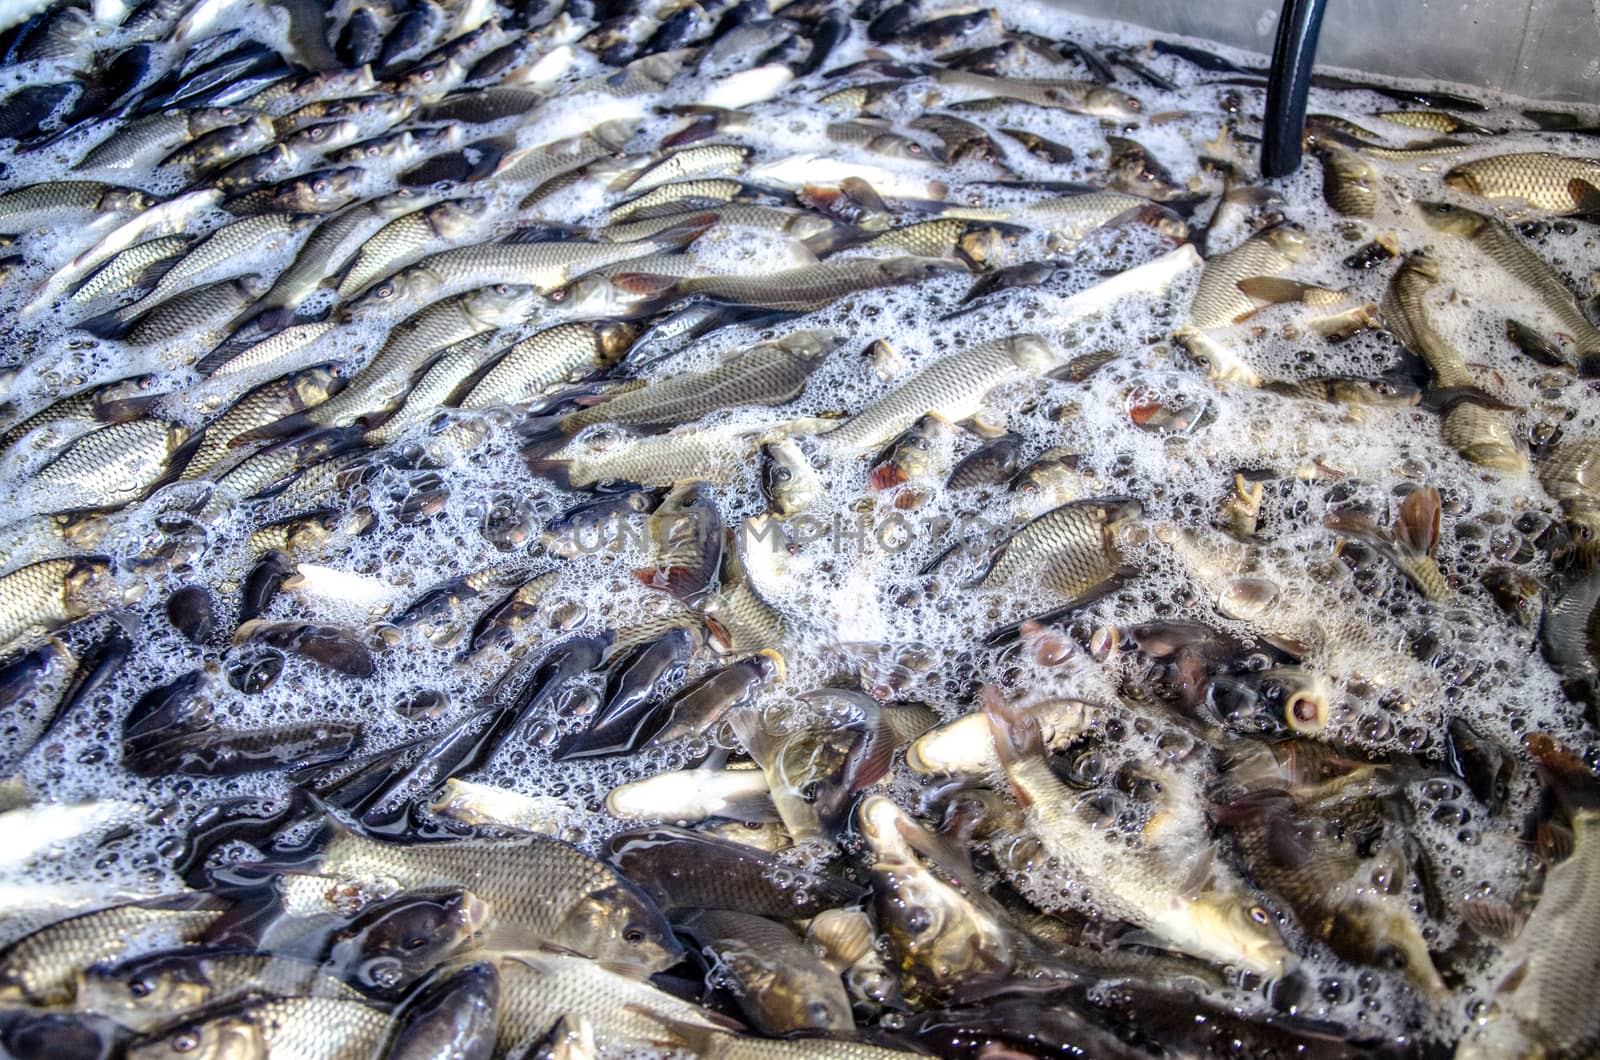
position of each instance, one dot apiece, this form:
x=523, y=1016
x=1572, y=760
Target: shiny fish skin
x=953, y=387
x=40, y=967
x=52, y=593
x=312, y=1028
x=1544, y=180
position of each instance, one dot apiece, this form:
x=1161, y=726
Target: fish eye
x=558, y=295
x=385, y=291
x=782, y=474
x=139, y=988
x=1259, y=915
x=914, y=149
x=633, y=935
x=416, y=942
x=1383, y=388
x=320, y=186
x=185, y=1042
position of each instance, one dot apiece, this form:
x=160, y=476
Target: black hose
x=1287, y=85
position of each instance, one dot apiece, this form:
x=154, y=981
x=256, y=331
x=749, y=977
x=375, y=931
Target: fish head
x=1246, y=599
x=1287, y=239
x=407, y=936
x=504, y=304
x=144, y=993
x=587, y=296
x=325, y=134
x=1301, y=697
x=1238, y=931
x=127, y=200
x=613, y=339
x=89, y=586
x=1104, y=102
x=981, y=245
x=231, y=1037
x=1401, y=947
x=1382, y=390
x=1031, y=353
x=1584, y=526
x=454, y=218
x=323, y=191
x=1218, y=360
x=1451, y=219
x=618, y=923
x=1465, y=179
x=408, y=287
x=787, y=478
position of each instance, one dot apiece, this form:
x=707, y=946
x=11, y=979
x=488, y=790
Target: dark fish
x=390, y=945
x=686, y=870
x=639, y=683
x=453, y=1016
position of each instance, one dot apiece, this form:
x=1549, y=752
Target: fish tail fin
x=1566, y=774
x=684, y=232
x=289, y=426
x=1417, y=526
x=886, y=476
x=1016, y=732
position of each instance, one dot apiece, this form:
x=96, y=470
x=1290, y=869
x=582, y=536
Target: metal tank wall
x=1543, y=48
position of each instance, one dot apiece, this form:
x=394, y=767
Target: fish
x=770, y=373
x=953, y=388
x=1543, y=179
x=327, y=1028
x=1071, y=551
x=148, y=992
x=534, y=884
x=1292, y=853
x=1507, y=251
x=1480, y=434
x=538, y=989
x=455, y=1015
x=1190, y=908
x=1412, y=543
x=1565, y=475
x=1526, y=1014
x=51, y=594
x=41, y=967
x=783, y=988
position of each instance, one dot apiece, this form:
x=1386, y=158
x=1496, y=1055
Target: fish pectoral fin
x=1274, y=290
x=700, y=1038
x=1199, y=877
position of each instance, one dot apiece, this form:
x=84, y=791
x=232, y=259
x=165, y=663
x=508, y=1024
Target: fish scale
x=212, y=308
x=294, y=1028
x=1218, y=301
x=40, y=967
x=769, y=374
x=542, y=265
x=539, y=361
x=1543, y=179
x=383, y=380
x=48, y=594
x=122, y=271
x=1068, y=550
x=109, y=467
x=953, y=386
x=402, y=241
x=236, y=246
x=1503, y=247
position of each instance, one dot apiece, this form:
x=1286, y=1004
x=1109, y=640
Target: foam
x=851, y=587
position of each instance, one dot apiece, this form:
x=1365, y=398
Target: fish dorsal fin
x=1417, y=526
x=1274, y=290
x=1197, y=880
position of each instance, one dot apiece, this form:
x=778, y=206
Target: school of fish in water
x=557, y=528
